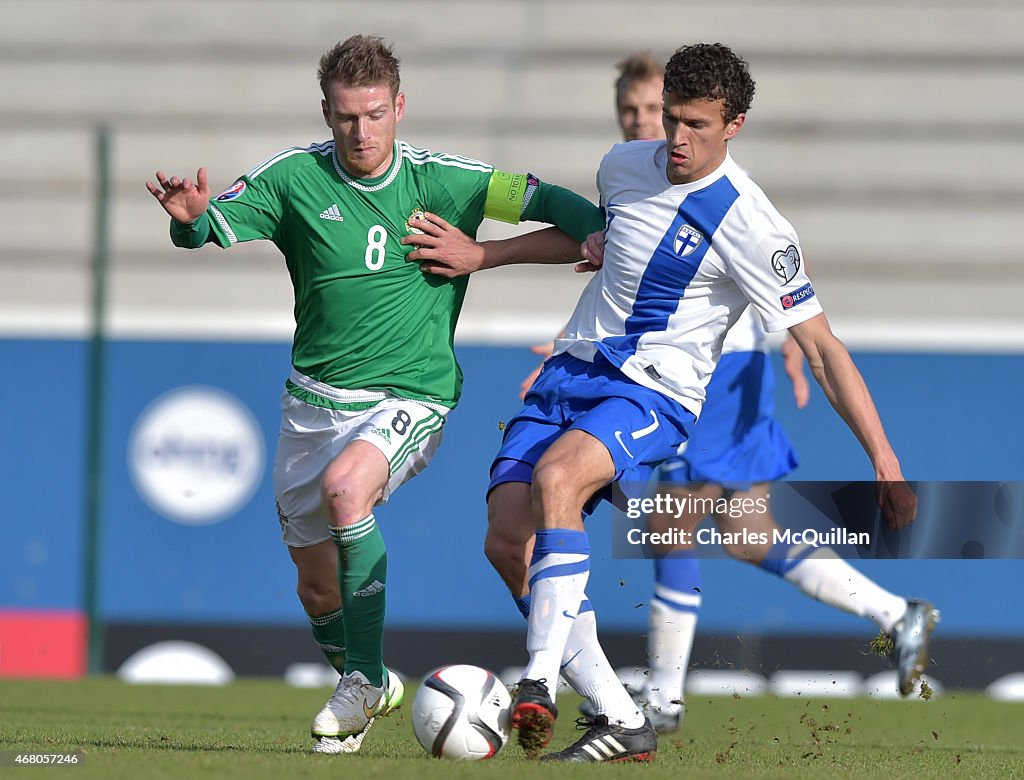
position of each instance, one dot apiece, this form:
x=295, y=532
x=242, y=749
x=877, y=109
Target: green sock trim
x=329, y=633
x=350, y=533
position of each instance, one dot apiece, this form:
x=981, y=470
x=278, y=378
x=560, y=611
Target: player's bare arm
x=184, y=199
x=444, y=250
x=834, y=370
x=793, y=364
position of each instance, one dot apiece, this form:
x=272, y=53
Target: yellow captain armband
x=508, y=195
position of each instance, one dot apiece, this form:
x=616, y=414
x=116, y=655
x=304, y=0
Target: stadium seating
x=887, y=133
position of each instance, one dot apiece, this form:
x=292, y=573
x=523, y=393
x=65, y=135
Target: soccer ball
x=461, y=711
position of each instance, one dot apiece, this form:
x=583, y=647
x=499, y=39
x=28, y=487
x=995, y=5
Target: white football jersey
x=747, y=335
x=681, y=264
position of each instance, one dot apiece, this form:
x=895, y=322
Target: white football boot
x=342, y=725
x=910, y=638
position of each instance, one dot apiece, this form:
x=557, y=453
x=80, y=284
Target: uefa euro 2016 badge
x=232, y=192
x=417, y=214
x=786, y=264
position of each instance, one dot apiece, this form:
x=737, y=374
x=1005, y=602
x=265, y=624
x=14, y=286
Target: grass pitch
x=257, y=729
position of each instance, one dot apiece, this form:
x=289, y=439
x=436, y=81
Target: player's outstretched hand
x=441, y=248
x=897, y=502
x=183, y=199
x=592, y=249
x=545, y=351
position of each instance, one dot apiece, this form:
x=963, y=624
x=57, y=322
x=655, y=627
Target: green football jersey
x=365, y=318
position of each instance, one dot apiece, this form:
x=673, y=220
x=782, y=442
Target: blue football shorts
x=639, y=427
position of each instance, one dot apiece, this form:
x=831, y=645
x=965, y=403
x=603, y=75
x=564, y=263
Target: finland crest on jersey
x=682, y=264
x=687, y=240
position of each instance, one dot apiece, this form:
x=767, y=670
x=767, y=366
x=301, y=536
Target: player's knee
x=318, y=598
x=553, y=480
x=344, y=499
x=659, y=523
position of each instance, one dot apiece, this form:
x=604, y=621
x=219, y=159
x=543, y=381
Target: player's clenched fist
x=897, y=502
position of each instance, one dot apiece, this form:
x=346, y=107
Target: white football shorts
x=407, y=433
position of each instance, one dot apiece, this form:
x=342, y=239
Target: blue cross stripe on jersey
x=667, y=274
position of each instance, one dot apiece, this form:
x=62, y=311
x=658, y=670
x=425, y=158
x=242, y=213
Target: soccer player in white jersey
x=689, y=245
x=737, y=440
x=735, y=451
x=674, y=606
x=374, y=373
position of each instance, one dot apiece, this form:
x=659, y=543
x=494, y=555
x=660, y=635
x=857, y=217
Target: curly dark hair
x=711, y=71
x=360, y=61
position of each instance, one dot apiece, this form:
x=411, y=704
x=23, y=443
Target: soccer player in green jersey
x=373, y=368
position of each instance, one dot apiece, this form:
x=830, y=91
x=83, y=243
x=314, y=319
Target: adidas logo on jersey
x=332, y=214
x=372, y=589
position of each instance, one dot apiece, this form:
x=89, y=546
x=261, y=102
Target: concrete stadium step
x=865, y=112
x=262, y=29
x=488, y=92
x=867, y=231
x=899, y=27
x=910, y=170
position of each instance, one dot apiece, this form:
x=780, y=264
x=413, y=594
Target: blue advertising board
x=181, y=548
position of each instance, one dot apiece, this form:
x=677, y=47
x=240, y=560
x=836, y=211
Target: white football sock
x=824, y=576
x=669, y=642
x=586, y=668
x=558, y=576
